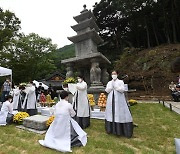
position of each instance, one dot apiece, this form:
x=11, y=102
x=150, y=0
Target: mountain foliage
x=137, y=23
x=149, y=70
x=65, y=52
x=141, y=39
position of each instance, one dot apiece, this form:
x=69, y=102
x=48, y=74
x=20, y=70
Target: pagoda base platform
x=97, y=114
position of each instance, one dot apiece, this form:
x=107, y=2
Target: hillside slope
x=65, y=52
x=149, y=70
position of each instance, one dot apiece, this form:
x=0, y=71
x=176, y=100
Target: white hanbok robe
x=81, y=103
x=122, y=113
x=5, y=109
x=30, y=98
x=16, y=95
x=58, y=136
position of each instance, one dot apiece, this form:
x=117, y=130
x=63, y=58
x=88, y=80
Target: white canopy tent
x=43, y=85
x=5, y=72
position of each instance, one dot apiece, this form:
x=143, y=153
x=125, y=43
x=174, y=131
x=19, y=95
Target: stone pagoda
x=88, y=61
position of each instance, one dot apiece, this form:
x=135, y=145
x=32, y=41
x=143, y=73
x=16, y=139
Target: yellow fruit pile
x=50, y=120
x=18, y=117
x=102, y=100
x=91, y=100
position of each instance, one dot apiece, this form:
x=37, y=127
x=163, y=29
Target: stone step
x=37, y=122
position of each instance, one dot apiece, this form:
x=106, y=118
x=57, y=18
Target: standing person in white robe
x=16, y=99
x=6, y=110
x=64, y=132
x=30, y=103
x=81, y=104
x=118, y=119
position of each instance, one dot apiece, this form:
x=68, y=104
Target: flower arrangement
x=50, y=120
x=69, y=80
x=132, y=102
x=91, y=101
x=18, y=117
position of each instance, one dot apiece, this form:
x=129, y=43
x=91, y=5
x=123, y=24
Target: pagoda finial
x=84, y=10
x=84, y=6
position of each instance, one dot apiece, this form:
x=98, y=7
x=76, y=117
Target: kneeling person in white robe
x=64, y=132
x=6, y=111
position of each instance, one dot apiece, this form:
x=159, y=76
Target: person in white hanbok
x=64, y=132
x=30, y=102
x=6, y=111
x=81, y=104
x=16, y=94
x=18, y=98
x=118, y=119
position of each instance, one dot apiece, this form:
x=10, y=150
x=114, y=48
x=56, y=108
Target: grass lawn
x=157, y=128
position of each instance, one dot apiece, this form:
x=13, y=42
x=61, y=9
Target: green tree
x=29, y=57
x=136, y=23
x=9, y=27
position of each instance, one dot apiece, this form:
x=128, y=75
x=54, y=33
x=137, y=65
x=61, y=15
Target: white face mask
x=114, y=77
x=79, y=80
x=10, y=100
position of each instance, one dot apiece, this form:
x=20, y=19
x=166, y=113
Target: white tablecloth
x=177, y=143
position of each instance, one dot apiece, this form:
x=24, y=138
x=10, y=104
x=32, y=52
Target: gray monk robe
x=81, y=105
x=118, y=119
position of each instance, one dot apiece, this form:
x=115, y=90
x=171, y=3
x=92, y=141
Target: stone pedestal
x=97, y=114
x=48, y=111
x=37, y=122
x=96, y=91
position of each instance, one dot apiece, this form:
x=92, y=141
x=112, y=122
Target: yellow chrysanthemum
x=18, y=118
x=132, y=102
x=69, y=80
x=50, y=120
